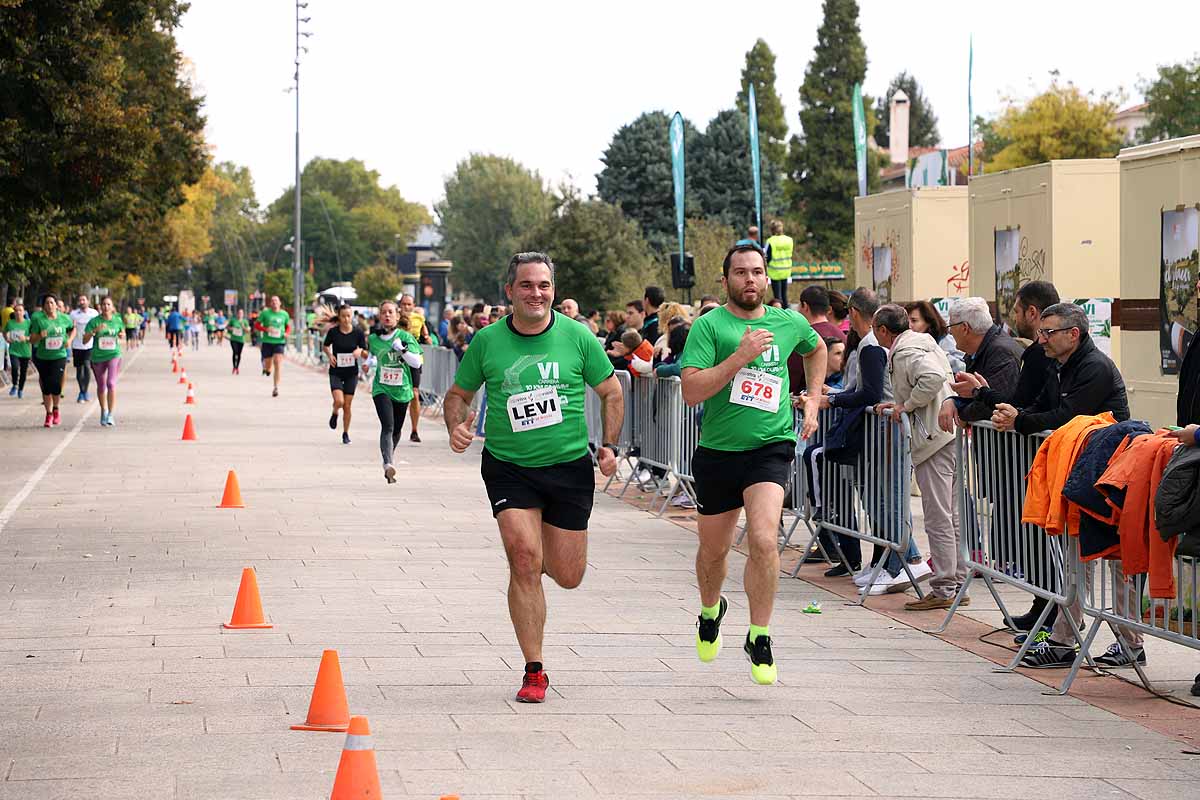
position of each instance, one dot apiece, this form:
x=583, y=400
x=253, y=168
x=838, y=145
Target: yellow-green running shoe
x=762, y=663
x=708, y=634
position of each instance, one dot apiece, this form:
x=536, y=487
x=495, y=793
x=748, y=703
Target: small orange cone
x=328, y=710
x=183, y=376
x=189, y=430
x=232, y=498
x=191, y=396
x=357, y=776
x=247, y=609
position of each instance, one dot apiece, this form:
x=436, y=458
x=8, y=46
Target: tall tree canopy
x=1173, y=102
x=721, y=177
x=772, y=125
x=822, y=175
x=1062, y=122
x=922, y=122
x=490, y=202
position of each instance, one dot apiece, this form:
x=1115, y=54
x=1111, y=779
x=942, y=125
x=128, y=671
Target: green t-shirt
x=754, y=409
x=274, y=325
x=103, y=330
x=17, y=334
x=535, y=389
x=57, y=332
x=132, y=320
x=392, y=376
x=237, y=330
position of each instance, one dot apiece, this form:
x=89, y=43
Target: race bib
x=108, y=342
x=539, y=408
x=16, y=336
x=345, y=359
x=54, y=343
x=274, y=332
x=391, y=376
x=756, y=389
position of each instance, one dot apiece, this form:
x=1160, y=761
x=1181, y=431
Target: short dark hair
x=637, y=304
x=891, y=317
x=1074, y=317
x=816, y=298
x=1038, y=294
x=741, y=247
x=631, y=338
x=864, y=300
x=531, y=257
x=655, y=295
x=709, y=298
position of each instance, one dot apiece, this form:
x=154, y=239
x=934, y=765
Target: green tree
x=599, y=254
x=491, y=202
x=279, y=282
x=1062, y=122
x=1172, y=102
x=376, y=284
x=822, y=175
x=708, y=240
x=922, y=122
x=721, y=178
x=772, y=124
x=637, y=175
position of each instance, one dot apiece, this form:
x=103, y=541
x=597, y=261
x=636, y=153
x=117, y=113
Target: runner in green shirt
x=536, y=367
x=49, y=332
x=106, y=356
x=396, y=352
x=19, y=349
x=133, y=321
x=735, y=362
x=238, y=327
x=275, y=325
x=210, y=325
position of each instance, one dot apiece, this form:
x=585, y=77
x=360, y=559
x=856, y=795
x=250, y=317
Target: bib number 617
x=756, y=389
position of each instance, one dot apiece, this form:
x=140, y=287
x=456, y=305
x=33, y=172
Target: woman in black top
x=345, y=342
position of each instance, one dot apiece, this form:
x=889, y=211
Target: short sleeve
x=596, y=366
x=469, y=376
x=806, y=337
x=91, y=325
x=700, y=349
x=328, y=338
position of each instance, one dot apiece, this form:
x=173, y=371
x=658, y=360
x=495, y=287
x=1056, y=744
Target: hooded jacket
x=1177, y=499
x=1088, y=384
x=920, y=375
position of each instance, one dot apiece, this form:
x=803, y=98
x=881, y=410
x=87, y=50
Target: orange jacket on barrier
x=1137, y=467
x=1045, y=505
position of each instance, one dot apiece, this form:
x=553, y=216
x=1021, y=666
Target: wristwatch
x=616, y=451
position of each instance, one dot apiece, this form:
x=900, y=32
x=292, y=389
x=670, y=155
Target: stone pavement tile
x=1059, y=726
x=1157, y=790
x=518, y=724
x=1064, y=763
x=1085, y=745
x=556, y=784
x=765, y=702
x=639, y=694
x=277, y=786
x=890, y=741
x=567, y=757
x=752, y=762
x=869, y=725
x=781, y=781
x=402, y=761
x=994, y=787
x=708, y=722
x=71, y=765
x=122, y=788
x=623, y=740
x=1188, y=765
x=512, y=677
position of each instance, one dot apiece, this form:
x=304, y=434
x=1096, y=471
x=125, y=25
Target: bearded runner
x=735, y=362
x=536, y=366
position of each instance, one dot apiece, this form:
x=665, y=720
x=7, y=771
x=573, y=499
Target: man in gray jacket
x=920, y=375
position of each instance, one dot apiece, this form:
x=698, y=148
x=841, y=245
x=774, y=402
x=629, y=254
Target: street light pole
x=297, y=267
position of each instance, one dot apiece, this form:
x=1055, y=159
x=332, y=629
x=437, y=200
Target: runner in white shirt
x=81, y=352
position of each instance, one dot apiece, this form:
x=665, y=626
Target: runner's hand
x=463, y=434
x=398, y=345
x=812, y=410
x=754, y=344
x=607, y=461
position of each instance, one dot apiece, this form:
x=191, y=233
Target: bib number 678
x=756, y=389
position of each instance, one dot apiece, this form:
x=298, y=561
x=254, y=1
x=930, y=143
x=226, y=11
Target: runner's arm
x=612, y=400
x=700, y=384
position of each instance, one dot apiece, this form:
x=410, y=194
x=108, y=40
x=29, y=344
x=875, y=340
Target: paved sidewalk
x=118, y=682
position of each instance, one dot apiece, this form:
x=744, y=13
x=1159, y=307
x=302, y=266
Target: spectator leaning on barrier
x=920, y=373
x=992, y=356
x=923, y=317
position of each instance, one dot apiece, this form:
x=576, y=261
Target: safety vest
x=779, y=268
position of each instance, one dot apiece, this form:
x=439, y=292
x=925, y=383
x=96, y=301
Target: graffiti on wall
x=1017, y=263
x=882, y=258
x=959, y=282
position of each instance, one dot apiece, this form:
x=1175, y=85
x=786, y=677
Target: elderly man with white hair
x=993, y=364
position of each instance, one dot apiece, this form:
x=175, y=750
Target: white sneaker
x=879, y=587
x=643, y=475
x=901, y=582
x=921, y=572
x=683, y=501
x=862, y=576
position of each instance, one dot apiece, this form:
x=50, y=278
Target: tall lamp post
x=297, y=268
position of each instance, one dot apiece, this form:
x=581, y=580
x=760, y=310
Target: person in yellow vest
x=416, y=326
x=779, y=260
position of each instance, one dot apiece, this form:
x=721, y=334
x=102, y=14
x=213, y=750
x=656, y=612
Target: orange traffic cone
x=357, y=776
x=191, y=396
x=232, y=498
x=247, y=609
x=183, y=376
x=328, y=710
x=189, y=430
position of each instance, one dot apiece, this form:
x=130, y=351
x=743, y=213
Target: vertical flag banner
x=860, y=139
x=970, y=109
x=677, y=174
x=754, y=162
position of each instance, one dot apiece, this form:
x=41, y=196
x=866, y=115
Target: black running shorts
x=563, y=492
x=267, y=349
x=343, y=379
x=722, y=475
x=415, y=373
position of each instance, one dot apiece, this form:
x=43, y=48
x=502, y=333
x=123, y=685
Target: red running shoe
x=55, y=418
x=533, y=688
x=49, y=420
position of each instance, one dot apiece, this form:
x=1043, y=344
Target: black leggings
x=83, y=368
x=779, y=289
x=237, y=352
x=20, y=366
x=391, y=422
x=173, y=338
x=50, y=374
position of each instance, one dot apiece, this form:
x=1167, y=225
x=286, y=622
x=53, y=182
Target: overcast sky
x=412, y=88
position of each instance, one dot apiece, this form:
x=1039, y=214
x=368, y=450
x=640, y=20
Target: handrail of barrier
x=437, y=375
x=999, y=547
x=657, y=409
x=868, y=500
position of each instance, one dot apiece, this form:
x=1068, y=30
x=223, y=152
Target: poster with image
x=881, y=272
x=1177, y=301
x=1008, y=278
x=1099, y=314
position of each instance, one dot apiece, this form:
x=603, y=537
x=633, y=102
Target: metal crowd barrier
x=867, y=501
x=594, y=413
x=992, y=466
x=657, y=408
x=437, y=376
